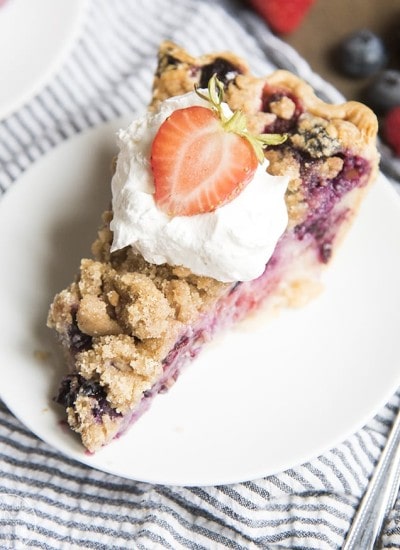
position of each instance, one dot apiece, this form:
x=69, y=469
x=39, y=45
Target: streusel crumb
x=93, y=434
x=312, y=136
x=120, y=368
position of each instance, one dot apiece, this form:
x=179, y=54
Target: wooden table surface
x=329, y=21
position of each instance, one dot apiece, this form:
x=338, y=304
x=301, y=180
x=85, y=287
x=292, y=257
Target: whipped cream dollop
x=232, y=243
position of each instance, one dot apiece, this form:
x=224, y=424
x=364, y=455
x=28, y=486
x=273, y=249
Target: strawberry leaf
x=237, y=123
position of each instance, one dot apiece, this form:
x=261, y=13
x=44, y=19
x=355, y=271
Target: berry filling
x=75, y=385
x=313, y=146
x=222, y=68
x=323, y=195
x=77, y=340
x=271, y=98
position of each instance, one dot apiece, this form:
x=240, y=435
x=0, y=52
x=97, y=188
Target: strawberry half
x=197, y=165
x=201, y=160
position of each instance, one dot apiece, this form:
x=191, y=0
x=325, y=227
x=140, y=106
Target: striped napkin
x=48, y=501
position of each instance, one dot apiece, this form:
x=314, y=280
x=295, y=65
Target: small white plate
x=263, y=398
x=35, y=37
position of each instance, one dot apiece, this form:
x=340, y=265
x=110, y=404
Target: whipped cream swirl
x=232, y=243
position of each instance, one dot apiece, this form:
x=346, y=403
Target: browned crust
x=177, y=78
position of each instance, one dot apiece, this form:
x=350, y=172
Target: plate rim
x=10, y=107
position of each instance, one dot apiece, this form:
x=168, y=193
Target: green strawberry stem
x=237, y=122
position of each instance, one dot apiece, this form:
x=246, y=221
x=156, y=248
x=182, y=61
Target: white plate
x=35, y=37
x=263, y=398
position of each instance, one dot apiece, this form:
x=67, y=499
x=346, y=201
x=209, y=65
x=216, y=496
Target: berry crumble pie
x=136, y=314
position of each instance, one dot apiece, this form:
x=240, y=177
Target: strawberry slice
x=197, y=165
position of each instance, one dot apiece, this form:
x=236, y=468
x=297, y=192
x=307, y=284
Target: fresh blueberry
x=384, y=92
x=362, y=53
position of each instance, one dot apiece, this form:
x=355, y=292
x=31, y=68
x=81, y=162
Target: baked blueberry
x=383, y=93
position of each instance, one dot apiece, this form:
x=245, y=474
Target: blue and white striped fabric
x=48, y=501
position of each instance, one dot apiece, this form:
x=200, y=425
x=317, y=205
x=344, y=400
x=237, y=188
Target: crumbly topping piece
x=158, y=348
x=91, y=275
x=245, y=94
x=178, y=72
x=60, y=315
x=184, y=298
x=283, y=108
x=329, y=168
x=283, y=162
x=142, y=309
x=316, y=136
x=93, y=319
x=102, y=245
x=93, y=434
x=120, y=368
x=121, y=295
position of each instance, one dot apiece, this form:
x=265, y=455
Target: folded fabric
x=49, y=501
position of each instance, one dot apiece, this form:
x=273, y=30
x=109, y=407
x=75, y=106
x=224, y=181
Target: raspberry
x=391, y=129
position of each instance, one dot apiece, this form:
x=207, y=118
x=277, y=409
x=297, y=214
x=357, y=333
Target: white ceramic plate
x=35, y=37
x=263, y=398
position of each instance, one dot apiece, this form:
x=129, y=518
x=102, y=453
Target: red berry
x=391, y=129
x=283, y=16
x=197, y=165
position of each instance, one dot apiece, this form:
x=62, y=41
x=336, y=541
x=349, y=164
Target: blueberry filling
x=225, y=71
x=280, y=125
x=323, y=195
x=78, y=341
x=181, y=343
x=75, y=385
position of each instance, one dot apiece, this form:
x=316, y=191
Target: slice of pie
x=129, y=325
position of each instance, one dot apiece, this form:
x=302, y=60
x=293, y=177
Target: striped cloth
x=48, y=501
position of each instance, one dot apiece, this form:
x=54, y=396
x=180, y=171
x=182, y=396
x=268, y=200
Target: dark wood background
x=329, y=21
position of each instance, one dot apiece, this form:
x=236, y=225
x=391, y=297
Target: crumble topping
x=94, y=434
x=124, y=371
x=93, y=319
x=245, y=94
x=61, y=310
x=184, y=298
x=282, y=162
x=330, y=168
x=316, y=136
x=283, y=108
x=178, y=72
